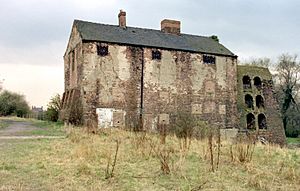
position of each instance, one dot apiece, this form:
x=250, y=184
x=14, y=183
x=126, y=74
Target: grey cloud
x=258, y=27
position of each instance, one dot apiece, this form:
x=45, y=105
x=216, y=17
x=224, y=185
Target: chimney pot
x=170, y=26
x=122, y=19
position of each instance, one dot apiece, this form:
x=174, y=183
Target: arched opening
x=260, y=101
x=247, y=82
x=262, y=121
x=250, y=121
x=257, y=82
x=249, y=101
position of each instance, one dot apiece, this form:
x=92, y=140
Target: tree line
x=15, y=104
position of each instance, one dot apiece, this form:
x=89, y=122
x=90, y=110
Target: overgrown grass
x=80, y=163
x=3, y=123
x=47, y=128
x=291, y=140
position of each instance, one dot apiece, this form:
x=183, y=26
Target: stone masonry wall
x=145, y=90
x=274, y=131
x=112, y=81
x=73, y=59
x=180, y=81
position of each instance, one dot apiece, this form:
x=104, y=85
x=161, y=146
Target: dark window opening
x=209, y=59
x=250, y=121
x=262, y=121
x=249, y=101
x=246, y=82
x=102, y=50
x=156, y=55
x=257, y=82
x=260, y=101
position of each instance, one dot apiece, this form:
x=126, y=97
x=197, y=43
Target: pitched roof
x=149, y=38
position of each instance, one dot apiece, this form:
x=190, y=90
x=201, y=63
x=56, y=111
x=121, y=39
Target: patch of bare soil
x=17, y=128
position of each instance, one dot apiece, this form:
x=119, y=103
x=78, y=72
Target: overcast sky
x=34, y=33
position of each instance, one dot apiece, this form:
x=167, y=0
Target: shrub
x=187, y=126
x=53, y=108
x=13, y=104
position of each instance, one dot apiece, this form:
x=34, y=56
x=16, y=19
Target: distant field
x=80, y=162
x=293, y=140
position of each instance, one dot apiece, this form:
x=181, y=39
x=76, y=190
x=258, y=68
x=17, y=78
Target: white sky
x=34, y=33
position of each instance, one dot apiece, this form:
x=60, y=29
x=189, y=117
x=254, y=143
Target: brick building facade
x=127, y=76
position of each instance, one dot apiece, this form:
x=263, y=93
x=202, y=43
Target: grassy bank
x=85, y=162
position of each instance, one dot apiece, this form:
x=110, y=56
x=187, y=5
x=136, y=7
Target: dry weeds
x=143, y=163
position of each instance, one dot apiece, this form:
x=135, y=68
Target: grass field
x=80, y=162
x=84, y=162
x=3, y=123
x=291, y=140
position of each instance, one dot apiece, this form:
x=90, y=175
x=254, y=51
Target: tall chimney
x=122, y=19
x=170, y=26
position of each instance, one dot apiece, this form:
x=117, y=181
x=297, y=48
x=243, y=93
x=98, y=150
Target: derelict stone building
x=133, y=77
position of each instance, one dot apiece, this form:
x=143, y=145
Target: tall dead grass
x=115, y=150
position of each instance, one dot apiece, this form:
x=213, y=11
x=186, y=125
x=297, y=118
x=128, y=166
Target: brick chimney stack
x=122, y=19
x=170, y=26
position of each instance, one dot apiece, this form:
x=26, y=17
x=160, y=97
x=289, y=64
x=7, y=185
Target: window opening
x=257, y=82
x=209, y=59
x=156, y=55
x=250, y=121
x=260, y=101
x=246, y=82
x=262, y=121
x=102, y=50
x=249, y=101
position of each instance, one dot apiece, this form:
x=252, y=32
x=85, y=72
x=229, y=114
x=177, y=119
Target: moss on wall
x=251, y=71
x=274, y=127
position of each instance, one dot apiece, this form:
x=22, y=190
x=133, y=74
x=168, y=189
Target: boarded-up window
x=209, y=107
x=222, y=109
x=164, y=119
x=210, y=87
x=196, y=108
x=118, y=118
x=109, y=117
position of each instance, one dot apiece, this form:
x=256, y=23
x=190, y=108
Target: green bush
x=53, y=108
x=13, y=104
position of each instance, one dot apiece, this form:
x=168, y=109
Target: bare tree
x=262, y=62
x=287, y=80
x=1, y=84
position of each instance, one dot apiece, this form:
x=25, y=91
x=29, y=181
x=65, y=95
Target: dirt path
x=21, y=130
x=16, y=128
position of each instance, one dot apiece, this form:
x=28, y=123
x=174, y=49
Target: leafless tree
x=287, y=80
